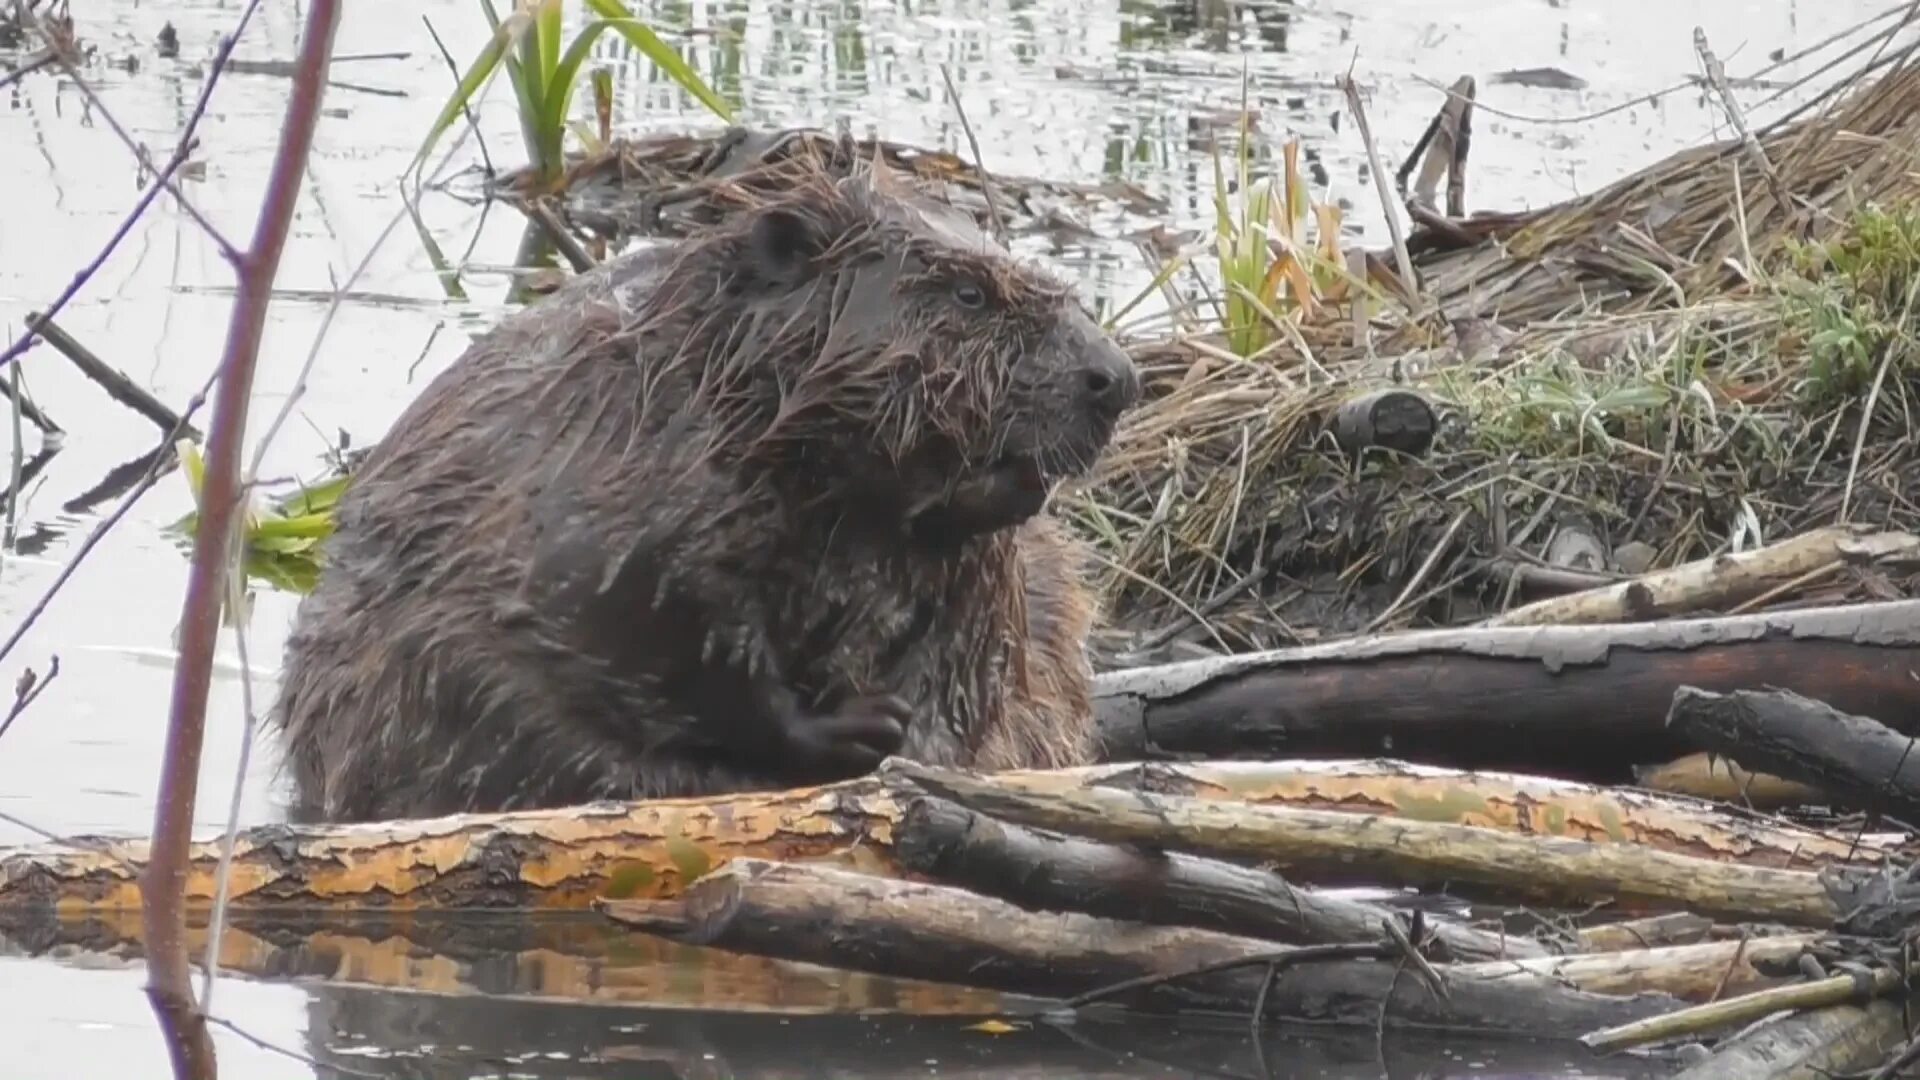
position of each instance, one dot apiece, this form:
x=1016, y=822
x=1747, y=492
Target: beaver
x=749, y=510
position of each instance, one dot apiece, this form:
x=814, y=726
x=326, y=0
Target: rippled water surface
x=1084, y=90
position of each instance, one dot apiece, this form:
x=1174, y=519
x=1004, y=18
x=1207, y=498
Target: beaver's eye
x=969, y=294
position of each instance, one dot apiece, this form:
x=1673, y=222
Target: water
x=1086, y=90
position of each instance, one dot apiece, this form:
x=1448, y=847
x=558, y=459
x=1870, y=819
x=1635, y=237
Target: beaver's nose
x=1112, y=382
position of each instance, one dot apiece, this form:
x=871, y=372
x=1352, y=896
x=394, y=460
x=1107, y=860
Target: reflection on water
x=1077, y=90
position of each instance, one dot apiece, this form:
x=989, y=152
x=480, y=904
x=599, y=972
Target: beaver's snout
x=1109, y=384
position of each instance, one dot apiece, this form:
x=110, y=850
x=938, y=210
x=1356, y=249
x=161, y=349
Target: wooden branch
x=117, y=385
x=1858, y=759
x=563, y=858
x=1696, y=972
x=1746, y=1009
x=1580, y=701
x=163, y=881
x=1391, y=418
x=1651, y=932
x=1327, y=847
x=1837, y=1041
x=1047, y=872
x=839, y=919
x=1721, y=580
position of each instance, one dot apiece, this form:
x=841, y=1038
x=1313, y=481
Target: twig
x=473, y=125
x=26, y=690
x=29, y=410
x=117, y=385
x=163, y=881
x=100, y=530
x=1717, y=78
x=979, y=163
x=161, y=181
x=564, y=242
x=1400, y=255
x=1744, y=1009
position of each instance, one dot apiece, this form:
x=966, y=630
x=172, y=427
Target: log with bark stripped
x=565, y=858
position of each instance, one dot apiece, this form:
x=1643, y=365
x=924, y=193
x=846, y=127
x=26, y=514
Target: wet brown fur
x=698, y=481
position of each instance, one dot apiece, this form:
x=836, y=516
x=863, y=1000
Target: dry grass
x=1677, y=361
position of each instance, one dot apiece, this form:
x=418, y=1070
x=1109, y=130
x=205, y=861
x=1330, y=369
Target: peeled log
x=1511, y=802
x=1862, y=761
x=1586, y=702
x=1721, y=580
x=1324, y=847
x=1691, y=972
x=1708, y=776
x=1836, y=1041
x=839, y=919
x=1046, y=872
x=565, y=858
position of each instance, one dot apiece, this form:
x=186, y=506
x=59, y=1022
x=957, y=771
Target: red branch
x=163, y=883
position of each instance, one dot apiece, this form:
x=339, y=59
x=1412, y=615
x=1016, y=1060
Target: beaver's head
x=885, y=340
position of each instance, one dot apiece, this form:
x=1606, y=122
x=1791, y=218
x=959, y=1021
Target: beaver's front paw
x=851, y=740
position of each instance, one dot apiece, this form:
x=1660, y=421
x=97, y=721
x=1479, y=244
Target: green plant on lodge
x=1268, y=269
x=280, y=543
x=544, y=75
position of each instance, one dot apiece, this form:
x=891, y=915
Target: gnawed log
x=1587, y=702
x=1535, y=805
x=1652, y=932
x=1326, y=847
x=829, y=916
x=1391, y=418
x=1862, y=761
x=564, y=858
x=1046, y=872
x=1708, y=776
x=1721, y=580
x=1691, y=972
x=1819, y=1045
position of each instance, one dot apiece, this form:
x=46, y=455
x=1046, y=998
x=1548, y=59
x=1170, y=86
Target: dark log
x=1049, y=872
x=1585, y=701
x=1861, y=761
x=1391, y=418
x=837, y=918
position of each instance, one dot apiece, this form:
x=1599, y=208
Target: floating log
x=1746, y=1009
x=1695, y=972
x=1860, y=760
x=1587, y=702
x=566, y=857
x=1325, y=846
x=1046, y=872
x=1722, y=580
x=833, y=917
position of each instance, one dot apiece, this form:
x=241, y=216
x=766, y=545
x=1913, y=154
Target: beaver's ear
x=784, y=245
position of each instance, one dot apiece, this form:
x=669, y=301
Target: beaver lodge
x=1511, y=632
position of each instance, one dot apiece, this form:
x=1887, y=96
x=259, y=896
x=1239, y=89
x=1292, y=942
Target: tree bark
x=1327, y=847
x=827, y=916
x=1705, y=776
x=1861, y=761
x=1047, y=872
x=1696, y=972
x=1721, y=580
x=564, y=858
x=1579, y=701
